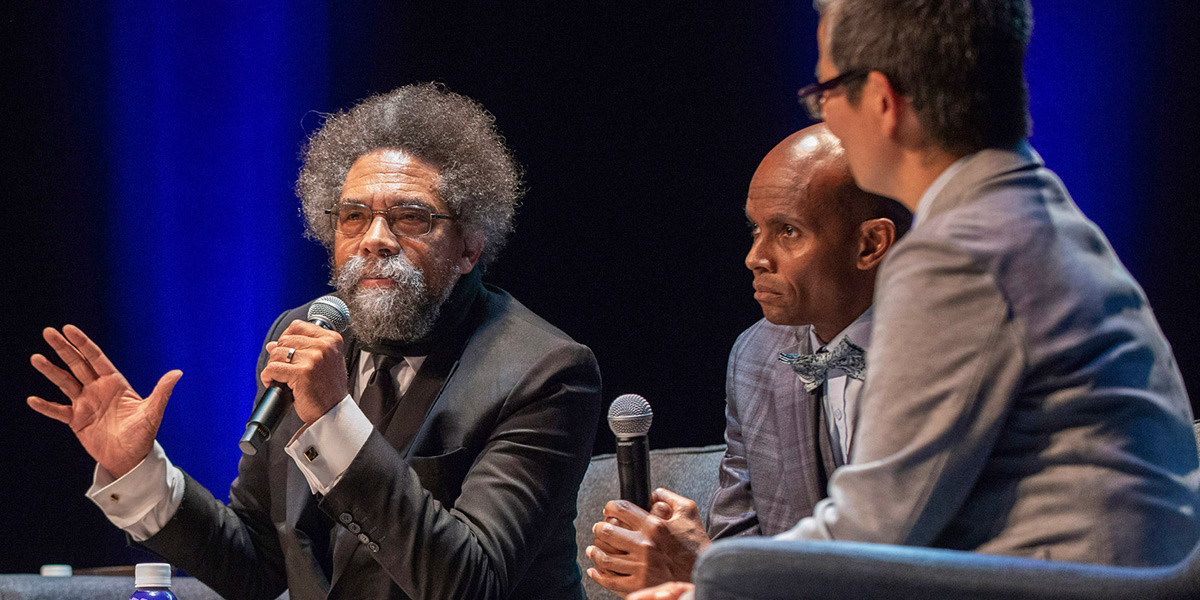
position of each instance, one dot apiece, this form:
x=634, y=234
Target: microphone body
x=633, y=469
x=629, y=417
x=328, y=312
x=268, y=412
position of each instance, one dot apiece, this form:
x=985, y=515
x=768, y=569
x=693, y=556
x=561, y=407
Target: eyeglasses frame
x=812, y=96
x=383, y=213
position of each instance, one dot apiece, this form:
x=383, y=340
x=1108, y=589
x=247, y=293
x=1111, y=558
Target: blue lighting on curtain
x=207, y=105
x=1093, y=78
x=204, y=116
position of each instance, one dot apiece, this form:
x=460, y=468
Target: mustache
x=397, y=267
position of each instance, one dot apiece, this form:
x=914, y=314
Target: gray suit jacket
x=478, y=503
x=770, y=476
x=1020, y=397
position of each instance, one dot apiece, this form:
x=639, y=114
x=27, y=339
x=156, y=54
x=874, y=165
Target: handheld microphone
x=328, y=312
x=629, y=418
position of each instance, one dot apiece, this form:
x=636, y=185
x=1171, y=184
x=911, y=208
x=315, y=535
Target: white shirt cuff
x=142, y=500
x=324, y=449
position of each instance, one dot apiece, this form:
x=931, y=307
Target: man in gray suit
x=434, y=452
x=793, y=379
x=1021, y=398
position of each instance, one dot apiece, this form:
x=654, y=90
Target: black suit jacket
x=478, y=503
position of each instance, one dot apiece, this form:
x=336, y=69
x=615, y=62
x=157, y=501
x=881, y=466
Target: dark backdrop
x=150, y=153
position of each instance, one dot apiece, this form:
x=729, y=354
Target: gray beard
x=405, y=312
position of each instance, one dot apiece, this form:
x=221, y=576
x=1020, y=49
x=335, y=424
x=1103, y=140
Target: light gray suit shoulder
x=1021, y=398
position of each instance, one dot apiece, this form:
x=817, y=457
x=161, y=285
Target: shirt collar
x=369, y=361
x=936, y=188
x=858, y=332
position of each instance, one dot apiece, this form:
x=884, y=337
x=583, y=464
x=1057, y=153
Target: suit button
x=373, y=546
x=362, y=537
x=345, y=518
x=354, y=528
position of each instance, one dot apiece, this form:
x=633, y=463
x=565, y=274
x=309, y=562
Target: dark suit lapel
x=809, y=418
x=351, y=348
x=797, y=429
x=408, y=415
x=410, y=412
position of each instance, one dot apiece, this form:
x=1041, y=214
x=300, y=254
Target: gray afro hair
x=478, y=177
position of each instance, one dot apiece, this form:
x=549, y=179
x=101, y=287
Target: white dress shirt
x=145, y=498
x=840, y=391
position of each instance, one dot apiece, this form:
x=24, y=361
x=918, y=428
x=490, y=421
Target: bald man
x=794, y=377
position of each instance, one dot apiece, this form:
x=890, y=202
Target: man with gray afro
x=433, y=450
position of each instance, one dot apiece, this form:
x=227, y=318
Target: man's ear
x=472, y=247
x=889, y=107
x=876, y=237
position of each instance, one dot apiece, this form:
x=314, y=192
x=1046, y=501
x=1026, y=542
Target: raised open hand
x=115, y=425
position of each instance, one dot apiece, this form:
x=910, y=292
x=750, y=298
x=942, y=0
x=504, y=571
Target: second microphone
x=629, y=417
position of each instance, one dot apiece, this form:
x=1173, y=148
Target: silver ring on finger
x=290, y=354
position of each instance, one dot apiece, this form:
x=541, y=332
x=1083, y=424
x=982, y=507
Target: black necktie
x=379, y=396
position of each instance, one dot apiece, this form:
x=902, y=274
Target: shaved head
x=812, y=163
x=818, y=238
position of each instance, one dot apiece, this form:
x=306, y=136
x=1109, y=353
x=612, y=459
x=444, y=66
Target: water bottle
x=153, y=582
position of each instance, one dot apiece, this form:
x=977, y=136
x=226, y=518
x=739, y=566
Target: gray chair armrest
x=765, y=569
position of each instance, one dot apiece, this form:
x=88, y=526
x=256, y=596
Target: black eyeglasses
x=813, y=96
x=352, y=219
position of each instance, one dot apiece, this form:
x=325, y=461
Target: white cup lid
x=56, y=571
x=152, y=575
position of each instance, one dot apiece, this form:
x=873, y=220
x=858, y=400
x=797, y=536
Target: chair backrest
x=1192, y=576
x=1196, y=429
x=690, y=472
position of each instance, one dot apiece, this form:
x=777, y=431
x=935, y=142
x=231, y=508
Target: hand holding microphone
x=637, y=548
x=307, y=363
x=629, y=417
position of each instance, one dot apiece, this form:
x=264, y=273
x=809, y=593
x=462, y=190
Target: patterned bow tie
x=813, y=369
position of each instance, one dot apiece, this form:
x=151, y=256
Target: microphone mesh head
x=332, y=310
x=630, y=415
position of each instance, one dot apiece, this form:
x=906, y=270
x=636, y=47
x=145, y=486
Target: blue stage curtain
x=207, y=106
x=1095, y=77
